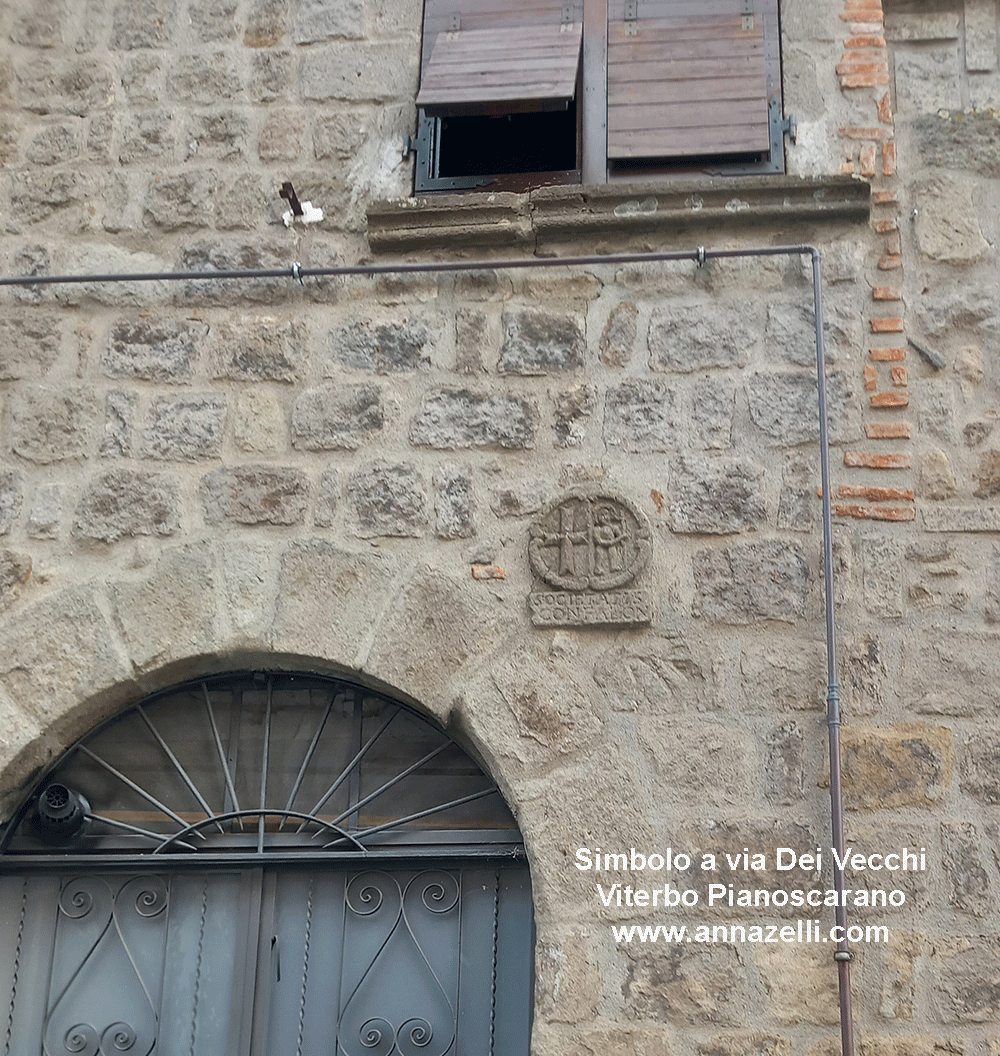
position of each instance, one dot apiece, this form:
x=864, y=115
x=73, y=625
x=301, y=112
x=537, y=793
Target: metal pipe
x=843, y=955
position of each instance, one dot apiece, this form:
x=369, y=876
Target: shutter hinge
x=790, y=126
x=631, y=18
x=747, y=16
x=567, y=15
x=454, y=23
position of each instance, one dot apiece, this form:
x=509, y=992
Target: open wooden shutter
x=691, y=77
x=499, y=56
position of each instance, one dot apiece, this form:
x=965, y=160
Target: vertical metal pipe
x=843, y=956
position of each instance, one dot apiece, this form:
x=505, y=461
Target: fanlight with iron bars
x=262, y=764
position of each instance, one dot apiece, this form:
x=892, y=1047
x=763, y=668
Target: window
x=518, y=93
x=255, y=865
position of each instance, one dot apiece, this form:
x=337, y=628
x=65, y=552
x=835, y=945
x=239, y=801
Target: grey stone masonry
x=337, y=417
x=254, y=495
x=458, y=418
x=165, y=350
x=126, y=502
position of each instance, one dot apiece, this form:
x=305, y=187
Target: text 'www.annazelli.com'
x=804, y=931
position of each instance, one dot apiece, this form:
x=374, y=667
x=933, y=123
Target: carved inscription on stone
x=588, y=544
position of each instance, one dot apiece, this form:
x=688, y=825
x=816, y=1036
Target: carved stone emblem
x=588, y=544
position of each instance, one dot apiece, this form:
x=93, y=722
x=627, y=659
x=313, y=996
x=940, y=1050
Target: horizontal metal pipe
x=295, y=271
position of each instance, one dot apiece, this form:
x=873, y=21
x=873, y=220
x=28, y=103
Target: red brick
x=488, y=572
x=888, y=430
x=867, y=159
x=890, y=399
x=888, y=159
x=892, y=243
x=871, y=378
x=847, y=167
x=887, y=293
x=884, y=197
x=875, y=513
x=887, y=326
x=887, y=355
x=871, y=460
x=874, y=494
x=883, y=227
x=890, y=263
x=869, y=40
x=853, y=132
x=899, y=376
x=864, y=80
x=885, y=109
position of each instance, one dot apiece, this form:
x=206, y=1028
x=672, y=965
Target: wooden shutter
x=691, y=77
x=499, y=56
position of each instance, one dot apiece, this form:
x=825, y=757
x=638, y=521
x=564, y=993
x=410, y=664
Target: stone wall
x=344, y=474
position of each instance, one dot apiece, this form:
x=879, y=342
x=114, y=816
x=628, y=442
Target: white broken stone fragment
x=311, y=214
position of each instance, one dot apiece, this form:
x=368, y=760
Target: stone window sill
x=605, y=217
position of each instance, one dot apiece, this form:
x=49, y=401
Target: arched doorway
x=263, y=863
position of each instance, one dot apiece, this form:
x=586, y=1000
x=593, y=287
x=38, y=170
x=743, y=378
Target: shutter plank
x=692, y=81
x=517, y=64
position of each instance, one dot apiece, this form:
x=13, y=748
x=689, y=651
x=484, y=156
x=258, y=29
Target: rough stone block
x=685, y=339
x=947, y=222
x=124, y=502
x=319, y=20
x=217, y=134
x=54, y=144
x=259, y=423
x=766, y=580
x=981, y=767
x=882, y=576
x=171, y=613
x=51, y=425
x=46, y=512
x=213, y=20
x=459, y=418
x=745, y=1045
x=521, y=499
x=38, y=195
x=10, y=499
x=472, y=339
x=58, y=653
x=40, y=25
x=339, y=135
x=183, y=200
x=147, y=135
x=641, y=416
x=908, y=765
x=267, y=23
x=326, y=499
x=961, y=140
x=388, y=499
x=797, y=984
x=202, y=78
x=250, y=587
x=184, y=428
x=254, y=495
x=328, y=600
x=777, y=680
x=337, y=417
x=569, y=977
x=454, y=508
x=687, y=985
x=15, y=570
x=784, y=765
x=927, y=78
x=238, y=205
x=143, y=24
x=29, y=345
x=260, y=350
x=234, y=255
x=77, y=87
x=659, y=676
x=373, y=71
x=618, y=337
x=572, y=408
x=154, y=350
x=272, y=76
x=281, y=136
x=966, y=972
x=715, y=496
x=712, y=406
x=607, y=1040
x=537, y=341
x=119, y=414
x=388, y=348
x=971, y=891
x=937, y=411
x=785, y=406
x=705, y=761
x=797, y=504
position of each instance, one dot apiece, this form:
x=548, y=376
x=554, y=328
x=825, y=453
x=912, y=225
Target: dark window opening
x=485, y=146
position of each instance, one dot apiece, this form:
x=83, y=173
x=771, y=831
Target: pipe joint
x=844, y=956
